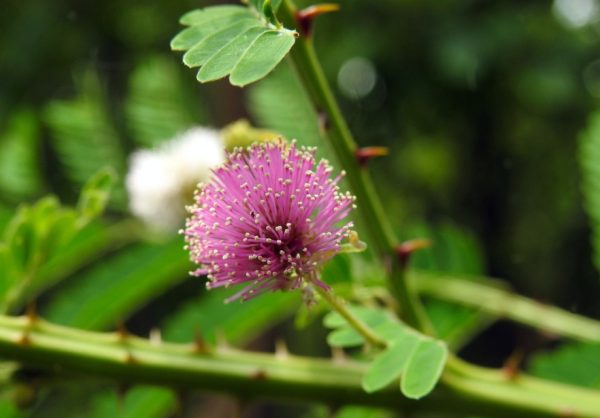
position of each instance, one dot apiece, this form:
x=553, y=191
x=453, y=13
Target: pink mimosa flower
x=269, y=218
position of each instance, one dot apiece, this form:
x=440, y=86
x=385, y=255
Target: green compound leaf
x=211, y=18
x=38, y=234
x=344, y=337
x=418, y=360
x=262, y=56
x=390, y=364
x=369, y=316
x=424, y=368
x=233, y=40
x=20, y=174
x=214, y=43
x=159, y=103
x=83, y=133
x=223, y=62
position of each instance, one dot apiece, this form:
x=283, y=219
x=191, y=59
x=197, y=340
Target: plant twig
x=342, y=143
x=503, y=303
x=359, y=326
x=472, y=391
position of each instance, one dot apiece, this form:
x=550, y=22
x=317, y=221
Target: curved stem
x=340, y=306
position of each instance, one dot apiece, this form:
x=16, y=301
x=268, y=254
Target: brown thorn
x=31, y=312
x=240, y=405
x=24, y=339
x=333, y=409
x=122, y=390
x=306, y=17
x=338, y=355
x=200, y=345
x=281, y=350
x=259, y=374
x=365, y=154
x=222, y=343
x=568, y=412
x=130, y=359
x=180, y=398
x=323, y=121
x=155, y=336
x=511, y=367
x=406, y=249
x=122, y=332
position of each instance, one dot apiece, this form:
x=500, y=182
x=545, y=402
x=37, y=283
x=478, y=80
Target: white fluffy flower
x=160, y=182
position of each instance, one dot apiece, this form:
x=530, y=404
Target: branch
x=506, y=304
x=129, y=359
x=344, y=146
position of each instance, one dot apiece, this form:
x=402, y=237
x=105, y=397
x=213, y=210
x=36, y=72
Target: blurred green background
x=482, y=104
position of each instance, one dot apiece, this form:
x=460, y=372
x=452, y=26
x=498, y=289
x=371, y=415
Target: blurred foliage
x=480, y=103
x=576, y=364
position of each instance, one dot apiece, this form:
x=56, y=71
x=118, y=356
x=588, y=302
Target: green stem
x=342, y=143
x=505, y=304
x=471, y=391
x=340, y=306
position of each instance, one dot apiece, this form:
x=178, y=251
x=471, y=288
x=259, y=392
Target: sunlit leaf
x=345, y=337
x=390, y=364
x=233, y=40
x=415, y=358
x=262, y=56
x=223, y=62
x=211, y=45
x=371, y=316
x=424, y=368
x=211, y=18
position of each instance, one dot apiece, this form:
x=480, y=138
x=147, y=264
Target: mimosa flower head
x=269, y=218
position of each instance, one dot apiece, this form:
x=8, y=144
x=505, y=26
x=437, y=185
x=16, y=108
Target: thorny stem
x=458, y=377
x=474, y=390
x=344, y=146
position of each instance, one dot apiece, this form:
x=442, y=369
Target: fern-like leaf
x=158, y=106
x=20, y=176
x=82, y=132
x=281, y=104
